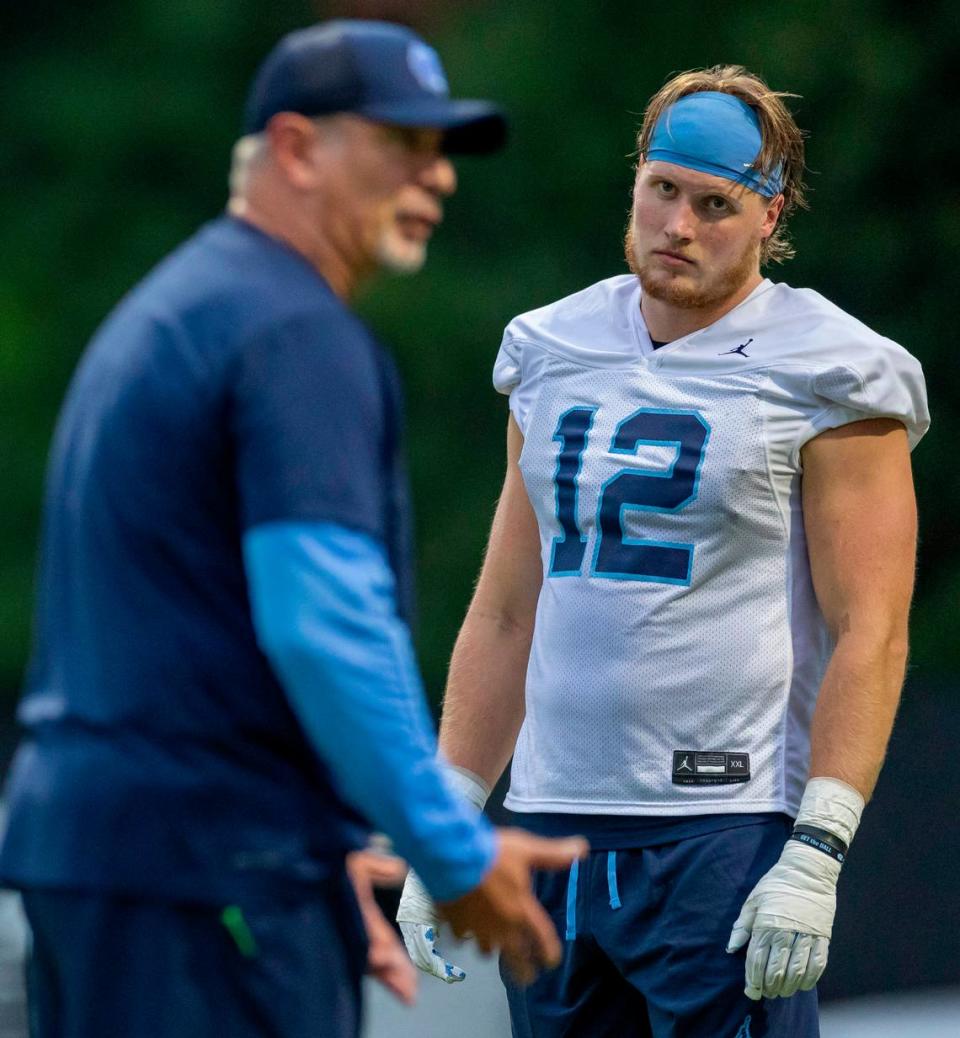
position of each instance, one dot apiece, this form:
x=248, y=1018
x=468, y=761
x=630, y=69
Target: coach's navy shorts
x=109, y=967
x=645, y=936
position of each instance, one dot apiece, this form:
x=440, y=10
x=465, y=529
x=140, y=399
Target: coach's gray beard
x=400, y=257
x=674, y=294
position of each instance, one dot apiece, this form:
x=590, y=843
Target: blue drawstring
x=572, y=901
x=615, y=903
x=612, y=879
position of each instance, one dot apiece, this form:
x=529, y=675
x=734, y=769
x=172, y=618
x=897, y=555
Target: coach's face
x=383, y=192
x=694, y=238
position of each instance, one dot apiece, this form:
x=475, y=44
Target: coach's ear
x=295, y=144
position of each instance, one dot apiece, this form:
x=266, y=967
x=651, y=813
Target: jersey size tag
x=694, y=768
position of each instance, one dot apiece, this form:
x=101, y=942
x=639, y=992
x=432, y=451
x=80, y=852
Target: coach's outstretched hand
x=502, y=912
x=386, y=961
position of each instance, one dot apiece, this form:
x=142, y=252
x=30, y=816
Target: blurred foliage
x=117, y=120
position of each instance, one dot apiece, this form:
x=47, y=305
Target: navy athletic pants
x=645, y=935
x=107, y=966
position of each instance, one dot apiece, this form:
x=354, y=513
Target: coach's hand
x=502, y=912
x=788, y=917
x=386, y=961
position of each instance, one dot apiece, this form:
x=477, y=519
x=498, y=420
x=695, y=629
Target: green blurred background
x=116, y=124
x=117, y=121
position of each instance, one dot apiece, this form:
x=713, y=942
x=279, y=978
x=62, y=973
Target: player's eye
x=665, y=188
x=717, y=204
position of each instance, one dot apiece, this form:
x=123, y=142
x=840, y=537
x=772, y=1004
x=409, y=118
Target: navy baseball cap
x=381, y=71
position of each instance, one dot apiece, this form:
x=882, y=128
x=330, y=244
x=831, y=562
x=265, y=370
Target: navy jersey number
x=572, y=432
x=617, y=557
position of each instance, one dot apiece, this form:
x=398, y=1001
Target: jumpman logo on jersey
x=744, y=1031
x=738, y=349
x=684, y=765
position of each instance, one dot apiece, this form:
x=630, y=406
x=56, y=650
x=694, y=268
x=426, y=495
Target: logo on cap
x=424, y=63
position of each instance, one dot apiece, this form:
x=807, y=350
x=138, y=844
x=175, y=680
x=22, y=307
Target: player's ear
x=771, y=216
x=294, y=143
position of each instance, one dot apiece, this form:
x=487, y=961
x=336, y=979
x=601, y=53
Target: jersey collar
x=731, y=317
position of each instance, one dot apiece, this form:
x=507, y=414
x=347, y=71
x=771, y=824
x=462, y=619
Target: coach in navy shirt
x=223, y=696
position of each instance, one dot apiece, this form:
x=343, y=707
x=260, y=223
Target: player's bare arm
x=861, y=523
x=483, y=706
x=484, y=703
x=861, y=526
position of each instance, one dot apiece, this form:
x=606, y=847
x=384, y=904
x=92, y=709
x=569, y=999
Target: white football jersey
x=679, y=647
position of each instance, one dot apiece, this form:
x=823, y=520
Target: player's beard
x=674, y=292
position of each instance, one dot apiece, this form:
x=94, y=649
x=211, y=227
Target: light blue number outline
x=559, y=438
x=659, y=474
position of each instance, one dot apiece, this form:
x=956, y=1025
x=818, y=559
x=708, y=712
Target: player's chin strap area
x=788, y=917
x=417, y=914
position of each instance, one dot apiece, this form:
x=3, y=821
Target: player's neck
x=666, y=322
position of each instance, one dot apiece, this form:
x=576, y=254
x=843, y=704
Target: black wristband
x=821, y=840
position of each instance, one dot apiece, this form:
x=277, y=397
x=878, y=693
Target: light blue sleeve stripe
x=323, y=604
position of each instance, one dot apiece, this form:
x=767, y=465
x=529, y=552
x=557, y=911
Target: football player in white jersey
x=690, y=629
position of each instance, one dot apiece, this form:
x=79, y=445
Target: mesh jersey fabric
x=628, y=669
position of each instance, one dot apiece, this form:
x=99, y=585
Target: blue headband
x=714, y=133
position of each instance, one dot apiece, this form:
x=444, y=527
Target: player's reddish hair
x=782, y=138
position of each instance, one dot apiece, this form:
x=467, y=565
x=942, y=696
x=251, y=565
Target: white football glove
x=788, y=917
x=417, y=914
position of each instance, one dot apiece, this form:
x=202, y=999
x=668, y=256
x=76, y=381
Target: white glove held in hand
x=788, y=917
x=417, y=914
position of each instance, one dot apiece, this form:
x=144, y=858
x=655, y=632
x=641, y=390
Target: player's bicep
x=860, y=518
x=512, y=573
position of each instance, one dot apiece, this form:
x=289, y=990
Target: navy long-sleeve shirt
x=230, y=404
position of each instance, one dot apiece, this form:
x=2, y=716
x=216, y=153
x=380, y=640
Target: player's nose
x=681, y=221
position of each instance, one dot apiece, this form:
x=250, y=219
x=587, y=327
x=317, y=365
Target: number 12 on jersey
x=669, y=490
